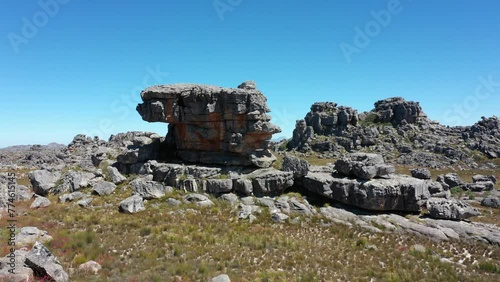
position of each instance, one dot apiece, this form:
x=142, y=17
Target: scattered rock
x=115, y=176
x=450, y=209
x=231, y=198
x=42, y=181
x=421, y=173
x=44, y=264
x=133, y=204
x=492, y=202
x=103, y=188
x=40, y=202
x=363, y=166
x=90, y=266
x=71, y=197
x=149, y=189
x=484, y=178
x=279, y=217
x=299, y=167
x=198, y=199
x=30, y=235
x=173, y=202
x=84, y=203
x=222, y=277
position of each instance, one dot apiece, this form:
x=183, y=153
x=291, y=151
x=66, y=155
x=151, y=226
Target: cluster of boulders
x=397, y=129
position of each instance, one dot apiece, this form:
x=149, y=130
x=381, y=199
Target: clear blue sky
x=78, y=67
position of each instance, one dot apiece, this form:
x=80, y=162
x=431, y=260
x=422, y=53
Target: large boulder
x=132, y=204
x=210, y=124
x=15, y=262
x=270, y=181
x=299, y=167
x=45, y=264
x=363, y=166
x=43, y=181
x=394, y=193
x=395, y=110
x=103, y=188
x=73, y=181
x=149, y=189
x=492, y=202
x=421, y=173
x=115, y=176
x=450, y=209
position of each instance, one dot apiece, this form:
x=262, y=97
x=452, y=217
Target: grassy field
x=187, y=243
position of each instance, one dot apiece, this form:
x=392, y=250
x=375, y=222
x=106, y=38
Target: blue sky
x=77, y=66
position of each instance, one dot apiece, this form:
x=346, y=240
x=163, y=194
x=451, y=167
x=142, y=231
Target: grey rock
x=231, y=198
x=243, y=186
x=421, y=173
x=40, y=202
x=73, y=181
x=189, y=185
x=198, y=199
x=419, y=248
x=218, y=186
x=103, y=188
x=90, y=266
x=270, y=181
x=249, y=200
x=363, y=166
x=480, y=186
x=281, y=203
x=484, y=178
x=42, y=181
x=44, y=263
x=71, y=197
x=450, y=209
x=486, y=233
x=222, y=277
x=173, y=202
x=115, y=176
x=148, y=189
x=30, y=235
x=279, y=217
x=413, y=227
x=302, y=208
x=245, y=211
x=453, y=180
x=22, y=272
x=132, y=204
x=266, y=202
x=492, y=202
x=84, y=203
x=299, y=167
x=397, y=192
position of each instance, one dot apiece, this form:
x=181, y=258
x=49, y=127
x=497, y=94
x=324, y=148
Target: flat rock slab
x=395, y=193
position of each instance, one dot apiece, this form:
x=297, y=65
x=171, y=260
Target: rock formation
x=214, y=125
x=397, y=129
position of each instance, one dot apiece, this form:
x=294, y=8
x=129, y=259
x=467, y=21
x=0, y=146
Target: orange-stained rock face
x=212, y=124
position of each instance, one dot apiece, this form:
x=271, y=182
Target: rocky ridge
x=397, y=129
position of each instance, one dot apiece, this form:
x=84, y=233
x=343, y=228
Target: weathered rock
x=40, y=202
x=363, y=166
x=450, y=209
x=218, y=186
x=132, y=204
x=484, y=178
x=73, y=181
x=30, y=235
x=115, y=176
x=71, y=197
x=486, y=233
x=397, y=192
x=84, y=203
x=396, y=110
x=421, y=173
x=90, y=266
x=103, y=188
x=231, y=198
x=302, y=135
x=149, y=189
x=413, y=227
x=279, y=217
x=173, y=202
x=209, y=124
x=198, y=199
x=303, y=208
x=243, y=186
x=453, y=180
x=16, y=260
x=222, y=277
x=42, y=181
x=270, y=181
x=299, y=167
x=492, y=202
x=246, y=211
x=44, y=264
x=480, y=186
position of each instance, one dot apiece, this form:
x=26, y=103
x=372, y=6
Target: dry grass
x=163, y=243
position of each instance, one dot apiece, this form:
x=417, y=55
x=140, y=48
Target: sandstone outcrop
x=214, y=125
